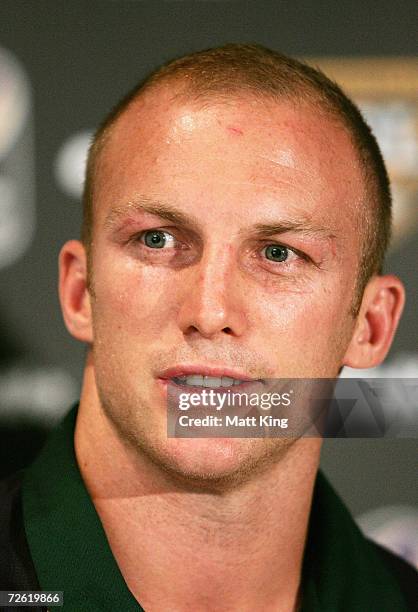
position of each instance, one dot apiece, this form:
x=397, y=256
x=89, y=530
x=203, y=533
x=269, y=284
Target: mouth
x=207, y=378
x=212, y=382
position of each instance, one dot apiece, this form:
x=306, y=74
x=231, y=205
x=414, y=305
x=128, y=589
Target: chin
x=211, y=464
x=215, y=464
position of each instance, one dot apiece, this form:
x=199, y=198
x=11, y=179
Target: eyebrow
x=302, y=225
x=152, y=207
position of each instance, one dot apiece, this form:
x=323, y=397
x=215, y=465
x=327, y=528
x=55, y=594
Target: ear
x=381, y=308
x=73, y=292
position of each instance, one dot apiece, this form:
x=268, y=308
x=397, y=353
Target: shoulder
x=404, y=573
x=9, y=505
x=16, y=566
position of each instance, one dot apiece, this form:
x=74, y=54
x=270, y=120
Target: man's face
x=252, y=269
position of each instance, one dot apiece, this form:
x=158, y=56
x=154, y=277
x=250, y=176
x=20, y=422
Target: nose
x=212, y=303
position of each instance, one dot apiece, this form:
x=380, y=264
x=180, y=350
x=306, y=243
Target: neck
x=183, y=549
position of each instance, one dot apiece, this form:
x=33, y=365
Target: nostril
x=227, y=330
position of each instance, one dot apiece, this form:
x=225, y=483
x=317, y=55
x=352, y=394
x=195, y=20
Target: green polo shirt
x=341, y=569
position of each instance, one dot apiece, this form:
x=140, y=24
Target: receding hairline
x=186, y=91
x=182, y=91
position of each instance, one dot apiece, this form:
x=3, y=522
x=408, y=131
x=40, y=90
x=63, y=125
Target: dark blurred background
x=63, y=65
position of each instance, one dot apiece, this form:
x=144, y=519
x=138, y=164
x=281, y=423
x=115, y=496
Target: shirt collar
x=65, y=536
x=341, y=569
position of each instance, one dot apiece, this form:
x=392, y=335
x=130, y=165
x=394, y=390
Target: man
x=236, y=215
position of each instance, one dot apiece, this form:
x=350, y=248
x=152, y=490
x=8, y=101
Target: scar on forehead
x=234, y=130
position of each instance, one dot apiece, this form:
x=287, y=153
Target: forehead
x=228, y=153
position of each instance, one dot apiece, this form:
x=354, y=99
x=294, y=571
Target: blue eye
x=157, y=239
x=276, y=252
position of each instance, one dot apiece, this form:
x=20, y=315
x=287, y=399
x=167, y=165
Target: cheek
x=314, y=305
x=130, y=312
x=132, y=301
x=305, y=324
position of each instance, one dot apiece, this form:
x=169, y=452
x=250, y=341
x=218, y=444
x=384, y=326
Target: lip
x=205, y=370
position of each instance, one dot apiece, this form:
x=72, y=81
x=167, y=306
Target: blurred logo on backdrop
x=28, y=394
x=386, y=90
x=17, y=185
x=395, y=527
x=70, y=163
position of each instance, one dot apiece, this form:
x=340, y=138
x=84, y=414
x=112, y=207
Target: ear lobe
x=73, y=293
x=381, y=309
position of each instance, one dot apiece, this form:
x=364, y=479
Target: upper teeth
x=207, y=381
